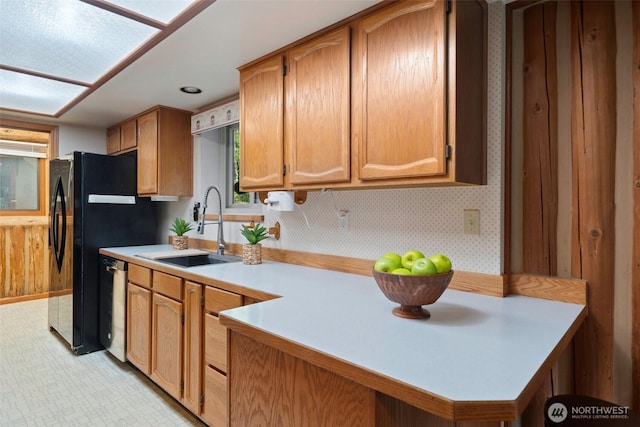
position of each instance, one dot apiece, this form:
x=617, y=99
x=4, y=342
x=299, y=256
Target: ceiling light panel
x=28, y=93
x=164, y=11
x=66, y=38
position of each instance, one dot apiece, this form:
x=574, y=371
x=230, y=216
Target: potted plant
x=252, y=251
x=180, y=227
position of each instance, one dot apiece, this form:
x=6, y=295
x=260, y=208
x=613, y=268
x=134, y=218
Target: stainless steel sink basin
x=195, y=260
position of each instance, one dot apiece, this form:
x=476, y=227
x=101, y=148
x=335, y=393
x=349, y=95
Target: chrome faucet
x=221, y=244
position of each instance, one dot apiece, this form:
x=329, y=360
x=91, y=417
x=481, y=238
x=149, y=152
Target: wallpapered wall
x=428, y=219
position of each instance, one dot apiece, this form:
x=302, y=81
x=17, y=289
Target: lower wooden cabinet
x=139, y=327
x=166, y=344
x=214, y=409
x=215, y=393
x=192, y=339
x=174, y=337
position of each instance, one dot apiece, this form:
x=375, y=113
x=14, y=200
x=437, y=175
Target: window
x=235, y=197
x=21, y=175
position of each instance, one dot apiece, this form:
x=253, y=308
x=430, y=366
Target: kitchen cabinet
x=419, y=113
x=166, y=336
x=162, y=139
x=165, y=153
x=174, y=337
x=415, y=114
x=139, y=318
x=261, y=124
x=122, y=138
x=215, y=394
x=192, y=346
x=307, y=142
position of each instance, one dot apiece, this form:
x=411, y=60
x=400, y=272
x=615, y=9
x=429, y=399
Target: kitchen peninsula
x=326, y=350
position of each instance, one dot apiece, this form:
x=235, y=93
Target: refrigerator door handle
x=59, y=239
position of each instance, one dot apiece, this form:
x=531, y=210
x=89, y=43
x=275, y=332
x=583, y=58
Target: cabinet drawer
x=167, y=285
x=215, y=342
x=214, y=410
x=216, y=300
x=139, y=275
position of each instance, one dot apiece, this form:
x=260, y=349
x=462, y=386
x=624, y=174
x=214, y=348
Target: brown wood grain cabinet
x=393, y=98
x=192, y=371
x=139, y=327
x=122, y=138
x=162, y=139
x=166, y=333
x=166, y=344
x=215, y=394
x=165, y=153
x=261, y=124
x=174, y=337
x=295, y=118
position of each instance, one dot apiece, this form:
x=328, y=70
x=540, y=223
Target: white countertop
x=474, y=348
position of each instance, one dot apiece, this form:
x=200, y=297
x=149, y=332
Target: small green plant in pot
x=252, y=251
x=180, y=227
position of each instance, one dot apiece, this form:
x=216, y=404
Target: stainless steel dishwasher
x=113, y=303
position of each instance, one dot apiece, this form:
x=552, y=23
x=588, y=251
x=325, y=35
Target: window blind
x=23, y=149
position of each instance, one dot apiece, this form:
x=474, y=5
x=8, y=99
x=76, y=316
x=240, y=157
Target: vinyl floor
x=43, y=383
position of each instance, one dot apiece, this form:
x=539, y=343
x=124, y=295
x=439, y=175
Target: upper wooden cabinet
x=261, y=124
x=162, y=136
x=394, y=98
x=318, y=130
x=294, y=116
x=122, y=138
x=400, y=90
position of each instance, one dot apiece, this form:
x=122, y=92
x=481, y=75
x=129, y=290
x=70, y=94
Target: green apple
x=387, y=264
x=403, y=271
x=423, y=267
x=442, y=263
x=409, y=258
x=394, y=256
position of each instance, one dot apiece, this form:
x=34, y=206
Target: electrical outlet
x=344, y=220
x=472, y=221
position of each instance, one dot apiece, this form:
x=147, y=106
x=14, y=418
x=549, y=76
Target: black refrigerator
x=93, y=204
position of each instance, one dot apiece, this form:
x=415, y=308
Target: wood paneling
x=23, y=257
x=540, y=145
x=271, y=388
x=593, y=136
x=635, y=264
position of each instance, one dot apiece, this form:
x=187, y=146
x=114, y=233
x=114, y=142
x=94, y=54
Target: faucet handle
x=196, y=209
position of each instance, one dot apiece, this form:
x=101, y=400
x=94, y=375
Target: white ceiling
x=204, y=53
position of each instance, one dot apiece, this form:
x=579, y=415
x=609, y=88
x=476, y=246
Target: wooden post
x=635, y=269
x=593, y=135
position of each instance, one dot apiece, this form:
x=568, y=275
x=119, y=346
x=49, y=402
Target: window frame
x=43, y=165
x=254, y=204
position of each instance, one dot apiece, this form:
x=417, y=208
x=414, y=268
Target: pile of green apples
x=414, y=263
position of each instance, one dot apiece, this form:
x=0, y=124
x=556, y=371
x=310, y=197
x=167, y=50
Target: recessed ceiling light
x=190, y=89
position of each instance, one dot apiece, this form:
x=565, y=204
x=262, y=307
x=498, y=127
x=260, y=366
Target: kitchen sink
x=195, y=260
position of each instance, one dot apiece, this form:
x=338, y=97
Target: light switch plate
x=472, y=221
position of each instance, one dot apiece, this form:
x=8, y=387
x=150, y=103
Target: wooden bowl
x=412, y=292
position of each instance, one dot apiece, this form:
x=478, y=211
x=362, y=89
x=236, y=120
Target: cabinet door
x=113, y=140
x=192, y=346
x=214, y=410
x=400, y=82
x=139, y=327
x=262, y=125
x=215, y=343
x=128, y=135
x=318, y=131
x=148, y=153
x=166, y=344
